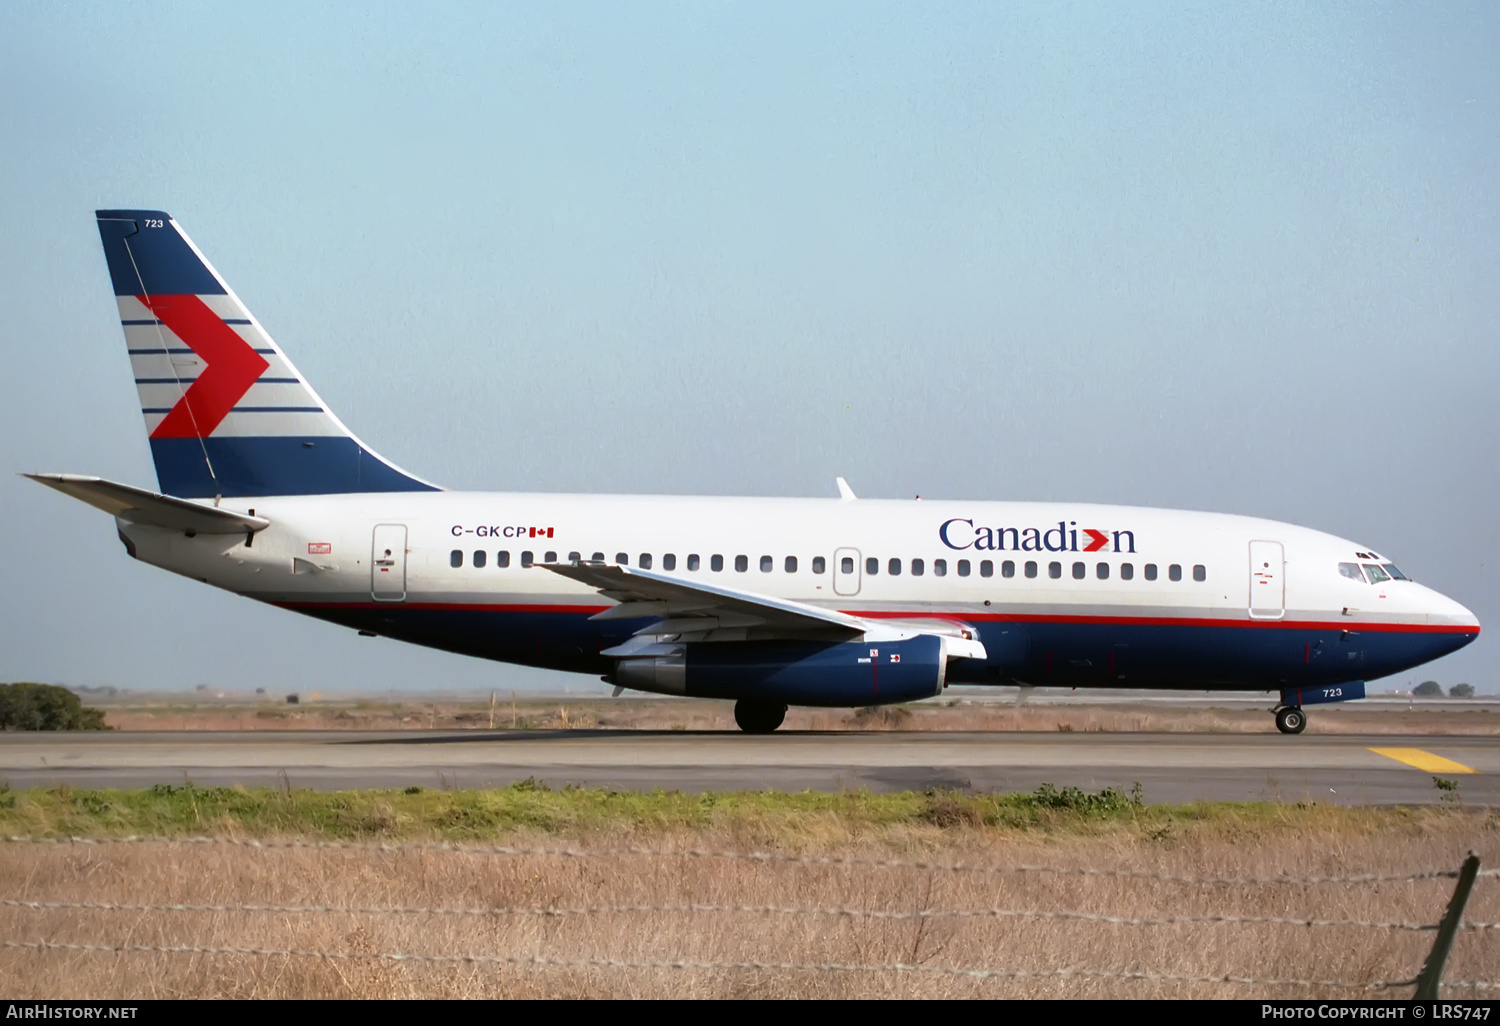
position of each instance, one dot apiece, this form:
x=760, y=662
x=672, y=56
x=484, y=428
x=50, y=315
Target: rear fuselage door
x=1267, y=580
x=846, y=572
x=388, y=563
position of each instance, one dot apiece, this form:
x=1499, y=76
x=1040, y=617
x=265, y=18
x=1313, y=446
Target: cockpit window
x=1377, y=575
x=1351, y=571
x=1395, y=573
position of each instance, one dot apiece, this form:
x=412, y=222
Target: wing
x=692, y=611
x=691, y=608
x=142, y=507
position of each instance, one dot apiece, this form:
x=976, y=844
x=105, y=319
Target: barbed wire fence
x=1424, y=983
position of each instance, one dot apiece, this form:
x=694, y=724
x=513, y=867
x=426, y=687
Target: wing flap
x=142, y=507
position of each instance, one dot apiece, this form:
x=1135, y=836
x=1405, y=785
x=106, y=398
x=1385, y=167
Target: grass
x=526, y=807
x=1063, y=828
x=166, y=810
x=1060, y=828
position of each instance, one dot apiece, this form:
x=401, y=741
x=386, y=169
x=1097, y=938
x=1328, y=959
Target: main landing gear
x=757, y=717
x=1290, y=719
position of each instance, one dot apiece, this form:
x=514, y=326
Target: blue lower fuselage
x=1041, y=651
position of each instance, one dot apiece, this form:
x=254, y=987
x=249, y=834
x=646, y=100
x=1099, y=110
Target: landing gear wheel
x=758, y=717
x=1291, y=720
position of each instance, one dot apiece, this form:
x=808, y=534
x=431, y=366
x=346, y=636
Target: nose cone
x=1443, y=611
x=1453, y=625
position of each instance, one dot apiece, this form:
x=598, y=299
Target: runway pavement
x=1342, y=769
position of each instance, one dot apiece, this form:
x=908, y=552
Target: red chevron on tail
x=233, y=366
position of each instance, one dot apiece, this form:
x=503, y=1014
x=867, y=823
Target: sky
x=1232, y=257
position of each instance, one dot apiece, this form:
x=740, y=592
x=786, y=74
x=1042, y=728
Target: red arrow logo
x=233, y=366
x=1099, y=539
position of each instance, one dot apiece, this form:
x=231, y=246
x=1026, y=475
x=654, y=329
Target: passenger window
x=502, y=559
x=819, y=564
x=1127, y=571
x=986, y=568
x=551, y=557
x=480, y=558
x=1150, y=571
x=1008, y=568
x=791, y=564
x=741, y=564
x=872, y=566
x=767, y=564
x=1351, y=571
x=1200, y=572
x=1078, y=571
x=1396, y=574
x=526, y=558
x=694, y=562
x=716, y=562
x=940, y=568
x=456, y=558
x=1102, y=571
x=846, y=565
x=1174, y=572
x=1054, y=570
x=1031, y=568
x=893, y=568
x=669, y=561
x=597, y=557
x=622, y=558
x=575, y=557
x=1377, y=575
x=645, y=563
x=963, y=568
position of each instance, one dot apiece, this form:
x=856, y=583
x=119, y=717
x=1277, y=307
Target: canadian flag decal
x=233, y=366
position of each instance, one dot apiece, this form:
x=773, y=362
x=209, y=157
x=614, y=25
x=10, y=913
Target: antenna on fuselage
x=846, y=494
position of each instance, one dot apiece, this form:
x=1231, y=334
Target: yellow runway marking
x=1423, y=760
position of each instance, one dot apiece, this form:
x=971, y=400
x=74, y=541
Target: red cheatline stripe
x=233, y=366
x=1128, y=621
x=1178, y=621
x=464, y=607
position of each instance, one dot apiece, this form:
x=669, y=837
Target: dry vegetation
x=1233, y=841
x=145, y=713
x=1068, y=833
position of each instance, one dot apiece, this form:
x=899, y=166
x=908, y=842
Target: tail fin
x=227, y=413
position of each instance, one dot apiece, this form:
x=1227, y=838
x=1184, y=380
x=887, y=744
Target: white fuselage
x=1090, y=617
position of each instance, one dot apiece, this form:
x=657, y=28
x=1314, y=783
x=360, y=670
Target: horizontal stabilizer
x=142, y=507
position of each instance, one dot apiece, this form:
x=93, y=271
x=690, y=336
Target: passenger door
x=388, y=563
x=1267, y=580
x=846, y=572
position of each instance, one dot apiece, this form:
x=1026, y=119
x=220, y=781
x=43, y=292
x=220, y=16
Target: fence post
x=1432, y=970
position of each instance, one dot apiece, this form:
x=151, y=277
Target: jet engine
x=848, y=673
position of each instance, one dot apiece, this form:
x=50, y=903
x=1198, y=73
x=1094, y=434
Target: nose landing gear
x=1290, y=719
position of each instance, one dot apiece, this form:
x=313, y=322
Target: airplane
x=767, y=602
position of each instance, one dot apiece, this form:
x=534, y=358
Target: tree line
x=26, y=706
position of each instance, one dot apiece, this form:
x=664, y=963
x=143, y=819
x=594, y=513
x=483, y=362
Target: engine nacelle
x=846, y=673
